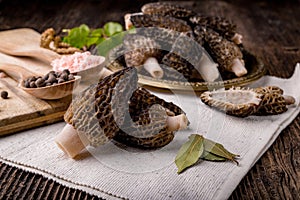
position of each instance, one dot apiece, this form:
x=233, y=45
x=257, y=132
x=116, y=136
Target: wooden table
x=271, y=31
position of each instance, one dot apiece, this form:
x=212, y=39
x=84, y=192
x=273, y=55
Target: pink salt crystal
x=76, y=62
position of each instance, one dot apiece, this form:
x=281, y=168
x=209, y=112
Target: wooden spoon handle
x=17, y=72
x=43, y=54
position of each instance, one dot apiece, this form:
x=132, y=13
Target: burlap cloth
x=113, y=171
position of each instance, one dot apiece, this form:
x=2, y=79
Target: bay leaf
x=211, y=157
x=190, y=152
x=218, y=149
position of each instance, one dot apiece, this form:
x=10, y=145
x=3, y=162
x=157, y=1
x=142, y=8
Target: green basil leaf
x=77, y=37
x=111, y=28
x=97, y=32
x=189, y=153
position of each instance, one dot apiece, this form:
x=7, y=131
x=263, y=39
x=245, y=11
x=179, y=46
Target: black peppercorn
x=4, y=95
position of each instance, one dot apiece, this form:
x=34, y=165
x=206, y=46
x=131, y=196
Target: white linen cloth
x=113, y=172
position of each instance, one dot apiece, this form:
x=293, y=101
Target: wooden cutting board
x=22, y=111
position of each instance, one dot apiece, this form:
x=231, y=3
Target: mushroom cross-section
x=242, y=102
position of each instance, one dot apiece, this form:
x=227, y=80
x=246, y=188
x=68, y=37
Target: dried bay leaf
x=199, y=147
x=211, y=157
x=218, y=150
x=190, y=152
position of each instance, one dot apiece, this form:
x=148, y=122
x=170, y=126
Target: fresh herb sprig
x=199, y=147
x=83, y=37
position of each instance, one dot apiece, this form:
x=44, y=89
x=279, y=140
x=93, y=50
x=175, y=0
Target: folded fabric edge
x=62, y=181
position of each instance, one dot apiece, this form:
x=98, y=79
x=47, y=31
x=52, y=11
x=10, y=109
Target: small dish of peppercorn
x=53, y=85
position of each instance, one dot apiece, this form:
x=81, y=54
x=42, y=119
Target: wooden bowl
x=51, y=92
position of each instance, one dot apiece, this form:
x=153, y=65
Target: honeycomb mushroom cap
x=236, y=101
x=219, y=24
x=98, y=111
x=164, y=37
x=273, y=101
x=178, y=69
x=146, y=125
x=139, y=48
x=139, y=21
x=167, y=9
x=223, y=51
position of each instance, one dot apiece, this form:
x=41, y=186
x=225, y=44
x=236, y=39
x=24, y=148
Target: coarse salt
x=76, y=62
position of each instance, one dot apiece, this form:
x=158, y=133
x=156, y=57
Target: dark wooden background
x=271, y=30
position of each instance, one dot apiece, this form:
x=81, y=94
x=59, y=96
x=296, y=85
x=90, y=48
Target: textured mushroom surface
x=138, y=131
x=144, y=20
x=235, y=101
x=91, y=112
x=167, y=9
x=273, y=101
x=139, y=48
x=189, y=59
x=226, y=53
x=142, y=51
x=220, y=25
x=164, y=37
x=116, y=106
x=243, y=102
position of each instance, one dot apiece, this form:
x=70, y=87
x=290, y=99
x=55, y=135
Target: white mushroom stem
x=128, y=23
x=70, y=142
x=104, y=73
x=208, y=69
x=152, y=66
x=289, y=99
x=175, y=123
x=237, y=38
x=238, y=67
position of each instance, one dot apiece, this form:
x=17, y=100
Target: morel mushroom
x=140, y=20
x=144, y=107
x=242, y=102
x=99, y=114
x=190, y=59
x=273, y=100
x=224, y=52
x=167, y=9
x=141, y=51
x=221, y=25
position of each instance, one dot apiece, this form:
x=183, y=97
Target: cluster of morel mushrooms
x=168, y=44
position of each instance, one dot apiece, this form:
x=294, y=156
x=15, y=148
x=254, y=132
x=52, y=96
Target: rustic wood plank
x=22, y=111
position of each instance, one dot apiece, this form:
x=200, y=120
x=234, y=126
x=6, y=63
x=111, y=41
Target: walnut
x=50, y=40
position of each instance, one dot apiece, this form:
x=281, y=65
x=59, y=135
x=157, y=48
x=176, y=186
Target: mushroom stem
x=128, y=23
x=237, y=38
x=152, y=66
x=70, y=142
x=208, y=69
x=289, y=99
x=238, y=67
x=175, y=123
x=104, y=73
